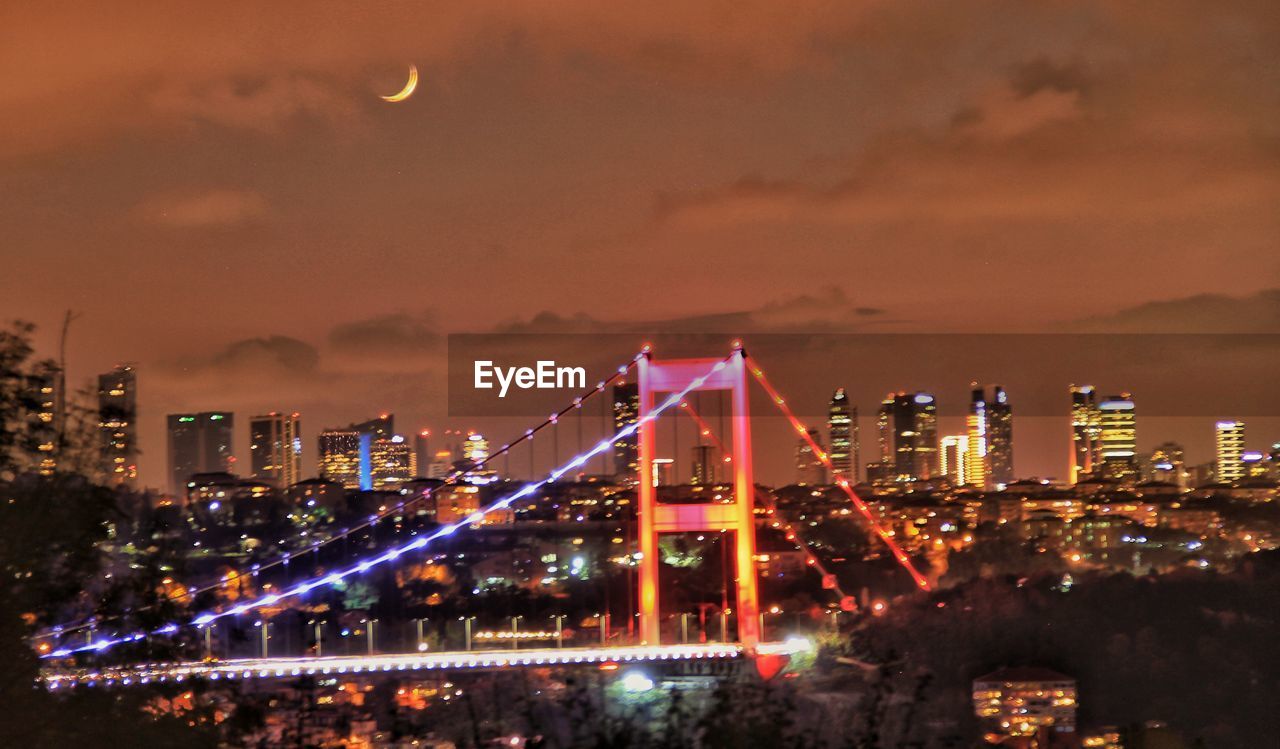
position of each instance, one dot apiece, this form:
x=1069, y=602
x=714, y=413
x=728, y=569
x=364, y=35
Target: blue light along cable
x=394, y=553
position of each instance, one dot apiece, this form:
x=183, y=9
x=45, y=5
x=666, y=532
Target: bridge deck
x=287, y=667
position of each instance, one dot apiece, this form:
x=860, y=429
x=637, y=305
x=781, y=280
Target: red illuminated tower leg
x=671, y=376
x=744, y=501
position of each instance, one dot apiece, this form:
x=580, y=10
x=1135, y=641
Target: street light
x=422, y=641
x=772, y=610
x=265, y=628
x=466, y=629
x=559, y=630
x=515, y=632
x=317, y=629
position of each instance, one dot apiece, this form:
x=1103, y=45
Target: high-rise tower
x=989, y=463
x=909, y=435
x=199, y=443
x=1086, y=433
x=626, y=450
x=809, y=467
x=1118, y=436
x=275, y=448
x=1229, y=443
x=118, y=425
x=840, y=426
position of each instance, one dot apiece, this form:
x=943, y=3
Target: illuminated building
x=908, y=425
x=422, y=452
x=1032, y=703
x=1169, y=465
x=199, y=443
x=704, y=465
x=626, y=450
x=223, y=499
x=975, y=457
x=275, y=448
x=1256, y=464
x=118, y=424
x=381, y=428
x=475, y=450
x=1086, y=432
x=1229, y=441
x=441, y=465
x=45, y=423
x=340, y=457
x=311, y=495
x=952, y=458
x=1119, y=450
x=809, y=467
x=999, y=438
x=662, y=470
x=345, y=454
x=989, y=461
x=392, y=463
x=458, y=502
x=842, y=425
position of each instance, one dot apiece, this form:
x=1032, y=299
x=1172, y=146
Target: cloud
x=398, y=335
x=213, y=208
x=827, y=309
x=1202, y=313
x=1002, y=113
x=83, y=71
x=264, y=105
x=267, y=356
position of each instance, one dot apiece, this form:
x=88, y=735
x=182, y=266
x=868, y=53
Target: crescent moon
x=409, y=86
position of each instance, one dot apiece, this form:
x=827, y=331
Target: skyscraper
x=704, y=465
x=44, y=416
x=952, y=456
x=841, y=427
x=1086, y=433
x=422, y=452
x=275, y=448
x=1229, y=441
x=199, y=443
x=340, y=457
x=441, y=465
x=475, y=450
x=979, y=428
x=990, y=424
x=1118, y=437
x=999, y=438
x=345, y=453
x=383, y=427
x=908, y=425
x=1168, y=464
x=809, y=467
x=626, y=450
x=118, y=425
x=392, y=463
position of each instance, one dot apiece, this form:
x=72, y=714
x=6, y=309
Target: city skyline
x=983, y=450
x=765, y=375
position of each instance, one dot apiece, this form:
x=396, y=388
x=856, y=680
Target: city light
x=418, y=543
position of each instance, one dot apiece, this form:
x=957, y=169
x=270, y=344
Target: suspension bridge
x=78, y=654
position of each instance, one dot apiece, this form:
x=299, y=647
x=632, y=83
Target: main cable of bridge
x=418, y=543
x=841, y=480
x=452, y=479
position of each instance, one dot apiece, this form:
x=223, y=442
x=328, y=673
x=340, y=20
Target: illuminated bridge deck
x=352, y=665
